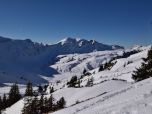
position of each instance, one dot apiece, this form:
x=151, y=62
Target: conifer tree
x=40, y=88
x=0, y=105
x=105, y=66
x=14, y=94
x=27, y=99
x=41, y=104
x=73, y=81
x=29, y=89
x=45, y=87
x=27, y=105
x=61, y=103
x=88, y=83
x=45, y=105
x=101, y=68
x=51, y=90
x=35, y=105
x=84, y=71
x=145, y=71
x=4, y=101
x=50, y=103
x=91, y=81
x=79, y=83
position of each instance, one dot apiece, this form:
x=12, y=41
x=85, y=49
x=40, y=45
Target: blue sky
x=121, y=22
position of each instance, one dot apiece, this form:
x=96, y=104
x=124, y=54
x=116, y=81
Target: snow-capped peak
x=70, y=40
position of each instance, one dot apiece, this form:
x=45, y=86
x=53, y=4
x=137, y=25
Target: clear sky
x=121, y=22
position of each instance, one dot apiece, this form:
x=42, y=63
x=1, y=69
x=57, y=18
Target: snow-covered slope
x=24, y=60
x=130, y=99
x=120, y=97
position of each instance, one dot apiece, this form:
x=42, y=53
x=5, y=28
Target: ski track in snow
x=130, y=105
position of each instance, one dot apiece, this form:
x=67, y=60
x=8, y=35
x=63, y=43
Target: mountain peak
x=70, y=40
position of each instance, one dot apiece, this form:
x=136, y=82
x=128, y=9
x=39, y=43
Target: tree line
x=32, y=104
x=14, y=96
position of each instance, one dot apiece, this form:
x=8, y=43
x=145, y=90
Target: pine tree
x=105, y=66
x=125, y=65
x=73, y=81
x=27, y=109
x=45, y=105
x=4, y=103
x=79, y=83
x=84, y=71
x=51, y=90
x=29, y=89
x=14, y=94
x=35, y=105
x=27, y=105
x=88, y=83
x=50, y=103
x=41, y=104
x=45, y=87
x=1, y=105
x=40, y=88
x=101, y=68
x=145, y=71
x=61, y=103
x=91, y=81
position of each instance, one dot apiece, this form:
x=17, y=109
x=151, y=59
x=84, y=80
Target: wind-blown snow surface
x=121, y=97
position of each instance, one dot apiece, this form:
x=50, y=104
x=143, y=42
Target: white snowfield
x=119, y=97
x=132, y=99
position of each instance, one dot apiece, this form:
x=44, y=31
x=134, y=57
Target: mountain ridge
x=29, y=60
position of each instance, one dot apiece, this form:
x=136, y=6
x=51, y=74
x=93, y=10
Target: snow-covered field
x=130, y=99
x=106, y=96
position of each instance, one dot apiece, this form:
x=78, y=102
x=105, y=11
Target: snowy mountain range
x=113, y=92
x=25, y=60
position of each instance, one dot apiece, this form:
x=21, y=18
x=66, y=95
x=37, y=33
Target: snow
x=134, y=99
x=43, y=64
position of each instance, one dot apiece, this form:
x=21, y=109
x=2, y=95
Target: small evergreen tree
x=79, y=83
x=27, y=105
x=45, y=87
x=40, y=88
x=14, y=94
x=4, y=103
x=50, y=103
x=91, y=81
x=41, y=104
x=125, y=65
x=35, y=105
x=101, y=68
x=84, y=71
x=45, y=105
x=29, y=89
x=145, y=71
x=73, y=81
x=51, y=90
x=105, y=66
x=61, y=103
x=1, y=105
x=88, y=83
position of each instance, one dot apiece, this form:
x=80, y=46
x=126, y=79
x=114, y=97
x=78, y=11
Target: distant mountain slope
x=110, y=93
x=70, y=45
x=24, y=60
